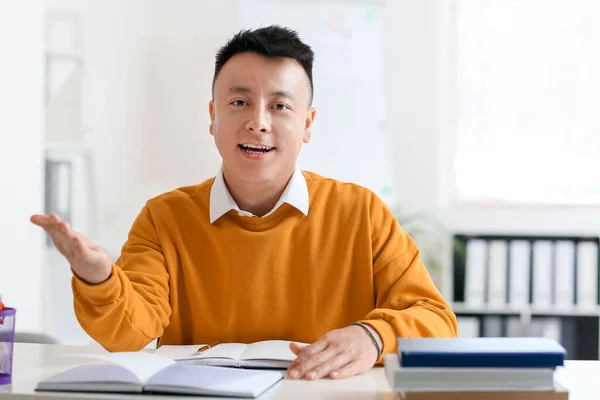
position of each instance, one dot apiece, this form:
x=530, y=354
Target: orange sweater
x=244, y=279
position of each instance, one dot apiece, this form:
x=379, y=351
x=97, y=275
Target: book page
x=178, y=352
x=142, y=365
x=189, y=352
x=101, y=373
x=203, y=380
x=224, y=350
x=269, y=350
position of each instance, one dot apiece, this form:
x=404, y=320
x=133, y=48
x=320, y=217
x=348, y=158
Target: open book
x=139, y=372
x=275, y=354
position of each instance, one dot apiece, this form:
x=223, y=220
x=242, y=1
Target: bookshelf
x=575, y=325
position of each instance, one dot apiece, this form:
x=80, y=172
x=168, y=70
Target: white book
x=587, y=275
x=519, y=265
x=564, y=274
x=497, y=273
x=264, y=354
x=140, y=372
x=440, y=379
x=542, y=274
x=475, y=265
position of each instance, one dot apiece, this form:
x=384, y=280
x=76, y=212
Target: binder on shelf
x=59, y=182
x=514, y=327
x=493, y=326
x=542, y=274
x=548, y=273
x=587, y=275
x=564, y=274
x=58, y=190
x=468, y=327
x=519, y=265
x=475, y=272
x=496, y=295
x=547, y=328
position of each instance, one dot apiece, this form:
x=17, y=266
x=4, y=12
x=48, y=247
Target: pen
x=207, y=346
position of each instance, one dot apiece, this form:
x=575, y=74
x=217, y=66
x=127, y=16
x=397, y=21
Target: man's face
x=260, y=116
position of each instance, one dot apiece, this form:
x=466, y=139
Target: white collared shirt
x=295, y=194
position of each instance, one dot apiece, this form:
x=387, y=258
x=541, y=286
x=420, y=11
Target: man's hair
x=271, y=41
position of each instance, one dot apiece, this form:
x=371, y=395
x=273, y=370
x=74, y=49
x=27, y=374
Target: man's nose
x=260, y=121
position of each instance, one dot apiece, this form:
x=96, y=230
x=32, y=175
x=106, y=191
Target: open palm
x=88, y=261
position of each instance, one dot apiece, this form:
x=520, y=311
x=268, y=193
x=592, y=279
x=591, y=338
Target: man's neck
x=256, y=198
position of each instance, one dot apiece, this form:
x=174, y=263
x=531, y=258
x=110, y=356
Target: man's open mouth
x=255, y=149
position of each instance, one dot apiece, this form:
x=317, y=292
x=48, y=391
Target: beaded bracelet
x=366, y=328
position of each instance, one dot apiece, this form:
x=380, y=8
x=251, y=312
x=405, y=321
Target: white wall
x=21, y=156
x=116, y=52
x=173, y=147
x=185, y=37
x=421, y=88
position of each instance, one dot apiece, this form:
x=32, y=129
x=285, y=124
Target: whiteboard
x=350, y=140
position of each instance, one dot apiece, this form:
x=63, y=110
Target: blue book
x=485, y=352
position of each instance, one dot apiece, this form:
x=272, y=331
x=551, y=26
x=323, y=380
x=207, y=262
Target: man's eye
x=239, y=103
x=280, y=107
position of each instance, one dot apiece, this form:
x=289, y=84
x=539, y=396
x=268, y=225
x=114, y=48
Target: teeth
x=251, y=146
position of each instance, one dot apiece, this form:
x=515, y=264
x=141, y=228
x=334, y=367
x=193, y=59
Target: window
x=527, y=102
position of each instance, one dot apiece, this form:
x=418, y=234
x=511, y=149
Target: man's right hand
x=88, y=261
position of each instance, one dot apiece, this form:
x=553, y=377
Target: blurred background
x=475, y=121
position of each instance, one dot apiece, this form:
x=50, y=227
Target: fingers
x=41, y=220
x=305, y=352
x=311, y=357
x=47, y=221
x=296, y=348
x=52, y=223
x=67, y=241
x=330, y=367
x=348, y=370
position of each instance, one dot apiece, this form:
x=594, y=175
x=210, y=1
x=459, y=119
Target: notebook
x=139, y=372
x=275, y=354
x=514, y=352
x=444, y=379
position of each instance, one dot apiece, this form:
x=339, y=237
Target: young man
x=262, y=250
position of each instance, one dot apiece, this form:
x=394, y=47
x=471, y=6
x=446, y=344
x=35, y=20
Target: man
x=262, y=250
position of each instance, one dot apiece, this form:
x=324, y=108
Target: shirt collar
x=295, y=194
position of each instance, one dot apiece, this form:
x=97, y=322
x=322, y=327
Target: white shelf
x=461, y=308
x=562, y=312
x=464, y=309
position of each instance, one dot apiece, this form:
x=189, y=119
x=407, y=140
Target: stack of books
x=476, y=368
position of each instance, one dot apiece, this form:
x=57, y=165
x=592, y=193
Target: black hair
x=269, y=41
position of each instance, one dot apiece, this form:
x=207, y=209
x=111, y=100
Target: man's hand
x=88, y=261
x=340, y=353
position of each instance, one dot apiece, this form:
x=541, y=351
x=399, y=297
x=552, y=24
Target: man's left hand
x=340, y=353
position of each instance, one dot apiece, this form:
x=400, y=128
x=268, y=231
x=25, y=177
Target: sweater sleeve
x=407, y=302
x=131, y=308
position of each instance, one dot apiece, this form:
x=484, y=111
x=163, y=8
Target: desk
x=34, y=362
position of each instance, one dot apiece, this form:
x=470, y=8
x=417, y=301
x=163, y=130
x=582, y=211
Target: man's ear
x=310, y=118
x=211, y=112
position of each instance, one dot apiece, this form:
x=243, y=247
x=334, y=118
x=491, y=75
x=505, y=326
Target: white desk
x=33, y=362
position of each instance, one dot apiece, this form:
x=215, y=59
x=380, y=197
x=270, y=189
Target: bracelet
x=366, y=328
